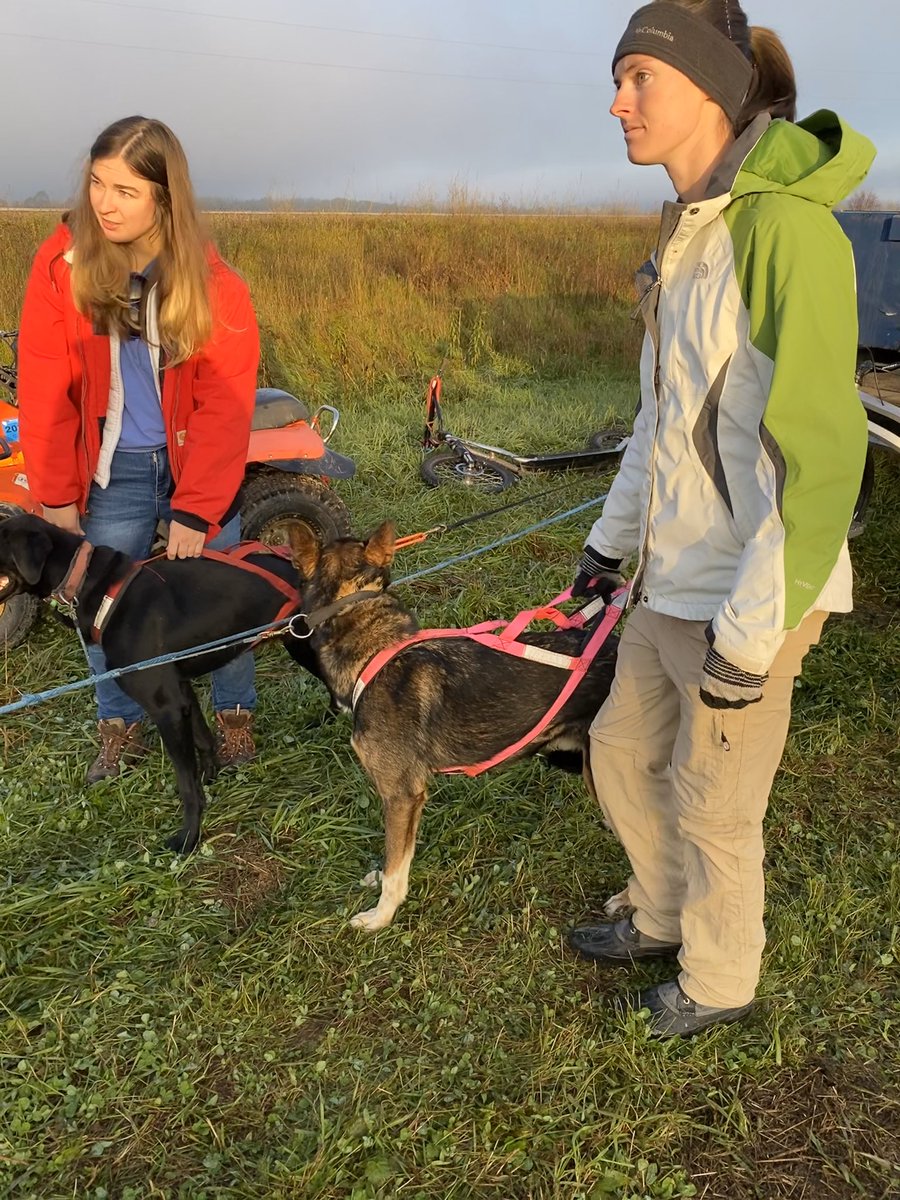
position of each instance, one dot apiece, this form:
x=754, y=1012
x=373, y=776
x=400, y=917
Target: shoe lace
x=112, y=746
x=237, y=737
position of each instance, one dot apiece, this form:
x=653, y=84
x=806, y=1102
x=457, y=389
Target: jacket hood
x=820, y=159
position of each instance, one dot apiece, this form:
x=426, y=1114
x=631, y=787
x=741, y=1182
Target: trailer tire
x=860, y=511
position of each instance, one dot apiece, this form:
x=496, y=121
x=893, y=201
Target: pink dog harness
x=507, y=642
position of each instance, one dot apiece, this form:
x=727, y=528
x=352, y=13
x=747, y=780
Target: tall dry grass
x=348, y=302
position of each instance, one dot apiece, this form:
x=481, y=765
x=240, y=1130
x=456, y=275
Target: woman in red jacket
x=138, y=351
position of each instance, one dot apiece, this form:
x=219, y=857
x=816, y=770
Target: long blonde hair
x=101, y=269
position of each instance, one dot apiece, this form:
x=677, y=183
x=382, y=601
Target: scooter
x=453, y=459
x=287, y=479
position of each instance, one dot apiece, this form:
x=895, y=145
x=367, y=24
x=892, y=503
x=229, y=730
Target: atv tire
x=272, y=503
x=19, y=613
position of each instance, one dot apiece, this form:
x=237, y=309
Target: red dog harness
x=236, y=556
x=507, y=642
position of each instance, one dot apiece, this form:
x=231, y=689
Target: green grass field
x=212, y=1028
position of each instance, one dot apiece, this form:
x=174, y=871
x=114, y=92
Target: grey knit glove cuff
x=723, y=685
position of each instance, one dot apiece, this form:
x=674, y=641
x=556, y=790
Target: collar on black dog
x=67, y=592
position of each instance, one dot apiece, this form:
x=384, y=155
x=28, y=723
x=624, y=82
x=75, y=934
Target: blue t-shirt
x=142, y=420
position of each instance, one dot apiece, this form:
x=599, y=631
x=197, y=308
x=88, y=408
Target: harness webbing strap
x=576, y=674
x=576, y=666
x=236, y=556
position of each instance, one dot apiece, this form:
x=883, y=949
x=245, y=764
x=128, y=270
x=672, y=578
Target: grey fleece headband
x=693, y=46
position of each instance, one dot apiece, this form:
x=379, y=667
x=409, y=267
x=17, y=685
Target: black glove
x=597, y=576
x=723, y=685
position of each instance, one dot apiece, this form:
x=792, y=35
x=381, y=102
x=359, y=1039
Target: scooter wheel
x=607, y=439
x=482, y=474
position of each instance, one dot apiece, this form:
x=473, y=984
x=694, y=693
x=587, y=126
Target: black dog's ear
x=306, y=550
x=379, y=550
x=30, y=550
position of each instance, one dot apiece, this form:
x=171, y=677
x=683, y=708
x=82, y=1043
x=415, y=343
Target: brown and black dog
x=437, y=704
x=168, y=607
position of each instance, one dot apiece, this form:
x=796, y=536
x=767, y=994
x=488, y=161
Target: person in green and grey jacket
x=735, y=492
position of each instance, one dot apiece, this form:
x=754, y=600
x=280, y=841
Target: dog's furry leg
x=204, y=738
x=586, y=770
x=619, y=905
x=173, y=717
x=401, y=823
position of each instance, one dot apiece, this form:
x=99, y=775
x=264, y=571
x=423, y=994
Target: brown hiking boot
x=234, y=737
x=120, y=745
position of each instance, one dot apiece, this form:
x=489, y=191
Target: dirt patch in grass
x=827, y=1132
x=246, y=877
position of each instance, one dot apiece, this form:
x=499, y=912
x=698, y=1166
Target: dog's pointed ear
x=306, y=550
x=379, y=548
x=30, y=550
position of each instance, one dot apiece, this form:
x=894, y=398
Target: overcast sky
x=395, y=100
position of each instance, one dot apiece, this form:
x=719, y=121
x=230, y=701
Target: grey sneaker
x=675, y=1014
x=618, y=943
x=121, y=745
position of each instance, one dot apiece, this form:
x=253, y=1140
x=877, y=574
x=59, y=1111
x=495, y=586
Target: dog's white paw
x=618, y=905
x=372, y=880
x=370, y=920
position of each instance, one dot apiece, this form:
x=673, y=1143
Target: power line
x=295, y=62
x=406, y=37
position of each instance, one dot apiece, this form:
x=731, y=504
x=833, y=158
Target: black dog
x=168, y=606
x=436, y=704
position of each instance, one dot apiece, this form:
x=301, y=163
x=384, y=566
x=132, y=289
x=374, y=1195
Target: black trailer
x=875, y=237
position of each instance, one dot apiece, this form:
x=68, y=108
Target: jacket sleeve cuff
x=191, y=520
x=754, y=657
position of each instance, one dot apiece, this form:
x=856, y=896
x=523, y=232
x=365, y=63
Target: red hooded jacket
x=64, y=383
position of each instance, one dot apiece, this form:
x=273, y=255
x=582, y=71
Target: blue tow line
x=32, y=698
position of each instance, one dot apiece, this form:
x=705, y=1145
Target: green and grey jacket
x=739, y=482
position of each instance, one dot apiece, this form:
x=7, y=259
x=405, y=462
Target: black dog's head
x=25, y=545
x=343, y=566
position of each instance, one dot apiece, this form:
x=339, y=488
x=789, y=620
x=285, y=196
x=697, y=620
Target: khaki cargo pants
x=684, y=788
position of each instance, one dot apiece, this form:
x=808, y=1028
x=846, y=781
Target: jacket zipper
x=657, y=282
x=637, y=584
x=86, y=488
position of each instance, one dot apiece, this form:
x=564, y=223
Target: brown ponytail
x=774, y=86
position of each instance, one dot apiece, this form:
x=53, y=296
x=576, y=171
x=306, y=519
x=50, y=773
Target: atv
x=286, y=480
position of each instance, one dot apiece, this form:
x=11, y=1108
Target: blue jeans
x=124, y=515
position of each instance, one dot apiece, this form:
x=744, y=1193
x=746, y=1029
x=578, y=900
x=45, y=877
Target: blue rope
x=234, y=639
x=504, y=541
